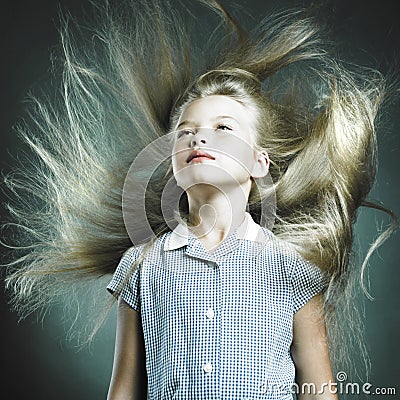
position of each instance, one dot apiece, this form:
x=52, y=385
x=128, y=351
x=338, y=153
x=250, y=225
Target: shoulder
x=132, y=253
x=278, y=249
x=150, y=250
x=286, y=256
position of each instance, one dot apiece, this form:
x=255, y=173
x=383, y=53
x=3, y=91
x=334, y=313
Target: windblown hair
x=127, y=86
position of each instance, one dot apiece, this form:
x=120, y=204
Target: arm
x=310, y=351
x=128, y=380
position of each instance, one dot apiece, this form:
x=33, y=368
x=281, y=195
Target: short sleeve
x=307, y=280
x=125, y=281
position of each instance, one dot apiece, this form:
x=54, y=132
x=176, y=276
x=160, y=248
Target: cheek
x=238, y=151
x=239, y=162
x=179, y=155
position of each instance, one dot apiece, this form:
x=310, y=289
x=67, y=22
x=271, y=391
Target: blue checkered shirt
x=217, y=325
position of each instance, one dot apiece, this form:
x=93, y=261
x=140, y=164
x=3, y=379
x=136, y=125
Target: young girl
x=216, y=306
x=220, y=303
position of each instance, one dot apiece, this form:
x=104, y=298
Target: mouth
x=198, y=155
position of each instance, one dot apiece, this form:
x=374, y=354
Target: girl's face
x=214, y=144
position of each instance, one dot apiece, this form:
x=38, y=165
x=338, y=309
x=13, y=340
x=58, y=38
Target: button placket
x=209, y=314
x=210, y=361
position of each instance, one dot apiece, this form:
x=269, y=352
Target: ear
x=261, y=166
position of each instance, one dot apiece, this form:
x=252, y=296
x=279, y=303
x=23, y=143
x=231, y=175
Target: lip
x=200, y=155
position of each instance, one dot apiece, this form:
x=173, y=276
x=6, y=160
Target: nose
x=198, y=139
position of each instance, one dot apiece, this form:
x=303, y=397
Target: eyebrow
x=227, y=117
x=215, y=119
x=185, y=122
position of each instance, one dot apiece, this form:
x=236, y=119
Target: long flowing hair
x=125, y=87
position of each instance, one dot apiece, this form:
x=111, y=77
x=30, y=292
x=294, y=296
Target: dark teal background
x=37, y=362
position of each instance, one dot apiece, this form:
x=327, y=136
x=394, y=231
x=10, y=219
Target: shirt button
x=207, y=367
x=211, y=263
x=210, y=313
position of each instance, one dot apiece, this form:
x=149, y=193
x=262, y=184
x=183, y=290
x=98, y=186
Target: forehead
x=212, y=107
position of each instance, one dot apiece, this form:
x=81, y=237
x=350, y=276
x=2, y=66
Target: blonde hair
x=126, y=89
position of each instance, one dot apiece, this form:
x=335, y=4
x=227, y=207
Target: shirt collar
x=248, y=230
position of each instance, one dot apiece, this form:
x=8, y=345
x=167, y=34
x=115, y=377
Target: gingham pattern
x=218, y=326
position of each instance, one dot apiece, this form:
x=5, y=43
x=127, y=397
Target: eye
x=185, y=132
x=223, y=127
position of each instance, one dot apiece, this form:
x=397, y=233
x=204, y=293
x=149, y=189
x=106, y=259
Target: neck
x=214, y=214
